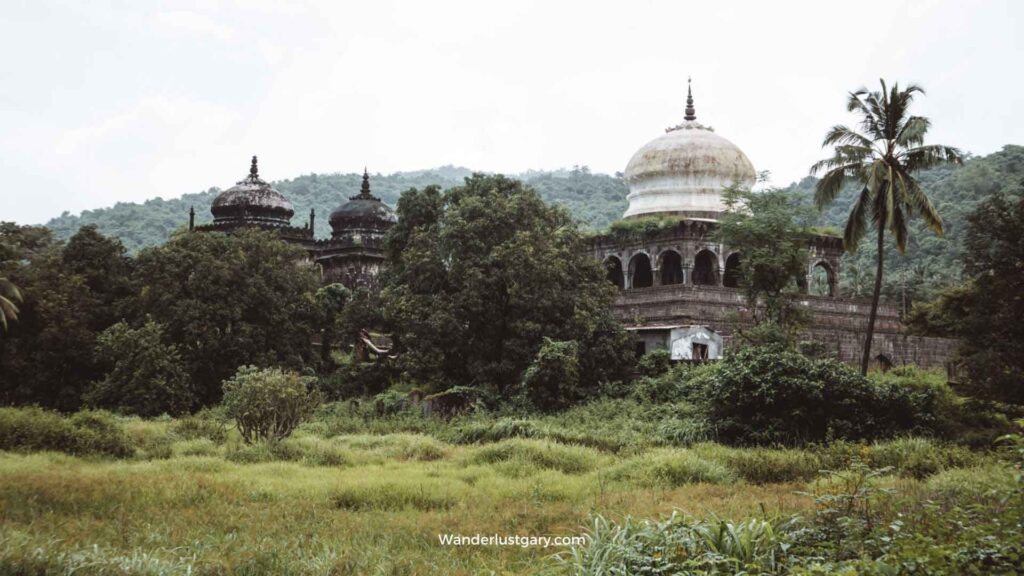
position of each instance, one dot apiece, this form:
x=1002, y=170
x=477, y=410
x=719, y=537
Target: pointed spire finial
x=364, y=190
x=253, y=171
x=691, y=114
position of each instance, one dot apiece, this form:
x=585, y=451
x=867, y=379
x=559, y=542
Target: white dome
x=684, y=171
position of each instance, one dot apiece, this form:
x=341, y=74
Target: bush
x=654, y=363
x=267, y=404
x=84, y=433
x=770, y=395
x=553, y=378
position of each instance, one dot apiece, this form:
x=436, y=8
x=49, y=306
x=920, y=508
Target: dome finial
x=253, y=171
x=691, y=114
x=364, y=190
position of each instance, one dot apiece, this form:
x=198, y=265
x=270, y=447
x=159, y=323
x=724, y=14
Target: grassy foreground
x=199, y=502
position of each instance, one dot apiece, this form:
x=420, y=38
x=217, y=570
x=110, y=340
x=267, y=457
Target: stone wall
x=838, y=324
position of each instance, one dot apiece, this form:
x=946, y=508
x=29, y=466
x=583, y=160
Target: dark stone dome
x=252, y=200
x=362, y=213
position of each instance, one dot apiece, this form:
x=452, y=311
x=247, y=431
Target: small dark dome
x=362, y=213
x=252, y=200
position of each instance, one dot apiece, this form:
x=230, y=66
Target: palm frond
x=913, y=131
x=855, y=222
x=924, y=157
x=840, y=134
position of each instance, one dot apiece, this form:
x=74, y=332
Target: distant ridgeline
x=598, y=199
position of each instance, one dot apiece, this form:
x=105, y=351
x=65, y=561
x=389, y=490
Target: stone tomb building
x=353, y=255
x=679, y=286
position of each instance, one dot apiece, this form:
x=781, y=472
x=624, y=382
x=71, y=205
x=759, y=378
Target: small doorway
x=699, y=351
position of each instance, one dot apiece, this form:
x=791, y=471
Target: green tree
x=146, y=376
x=228, y=301
x=882, y=158
x=985, y=312
x=771, y=231
x=480, y=274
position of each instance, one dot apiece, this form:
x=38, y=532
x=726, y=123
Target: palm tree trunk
x=874, y=303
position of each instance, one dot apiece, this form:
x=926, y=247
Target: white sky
x=123, y=101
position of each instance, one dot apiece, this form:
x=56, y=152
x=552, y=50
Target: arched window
x=640, y=271
x=671, y=267
x=823, y=280
x=705, y=268
x=731, y=278
x=613, y=267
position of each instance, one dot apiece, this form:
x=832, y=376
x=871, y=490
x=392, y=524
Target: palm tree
x=881, y=158
x=9, y=293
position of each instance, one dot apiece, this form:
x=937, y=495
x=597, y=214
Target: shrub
x=96, y=432
x=654, y=363
x=552, y=380
x=267, y=404
x=770, y=395
x=84, y=433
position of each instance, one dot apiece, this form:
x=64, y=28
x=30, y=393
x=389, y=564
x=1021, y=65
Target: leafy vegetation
x=985, y=312
x=267, y=404
x=771, y=233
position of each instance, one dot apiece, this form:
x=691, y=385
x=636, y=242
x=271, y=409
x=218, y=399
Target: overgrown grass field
x=353, y=494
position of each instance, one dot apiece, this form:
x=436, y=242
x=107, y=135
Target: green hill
x=595, y=199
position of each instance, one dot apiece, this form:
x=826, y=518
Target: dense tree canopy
x=985, y=313
x=70, y=294
x=481, y=273
x=228, y=301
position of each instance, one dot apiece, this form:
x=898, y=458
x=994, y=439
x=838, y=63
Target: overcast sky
x=123, y=101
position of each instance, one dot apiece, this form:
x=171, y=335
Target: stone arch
x=613, y=270
x=822, y=279
x=731, y=276
x=705, y=268
x=670, y=267
x=640, y=273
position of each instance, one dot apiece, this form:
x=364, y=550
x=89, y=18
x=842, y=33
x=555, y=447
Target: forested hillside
x=595, y=199
x=930, y=261
x=598, y=199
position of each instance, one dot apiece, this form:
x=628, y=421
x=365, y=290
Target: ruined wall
x=838, y=324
